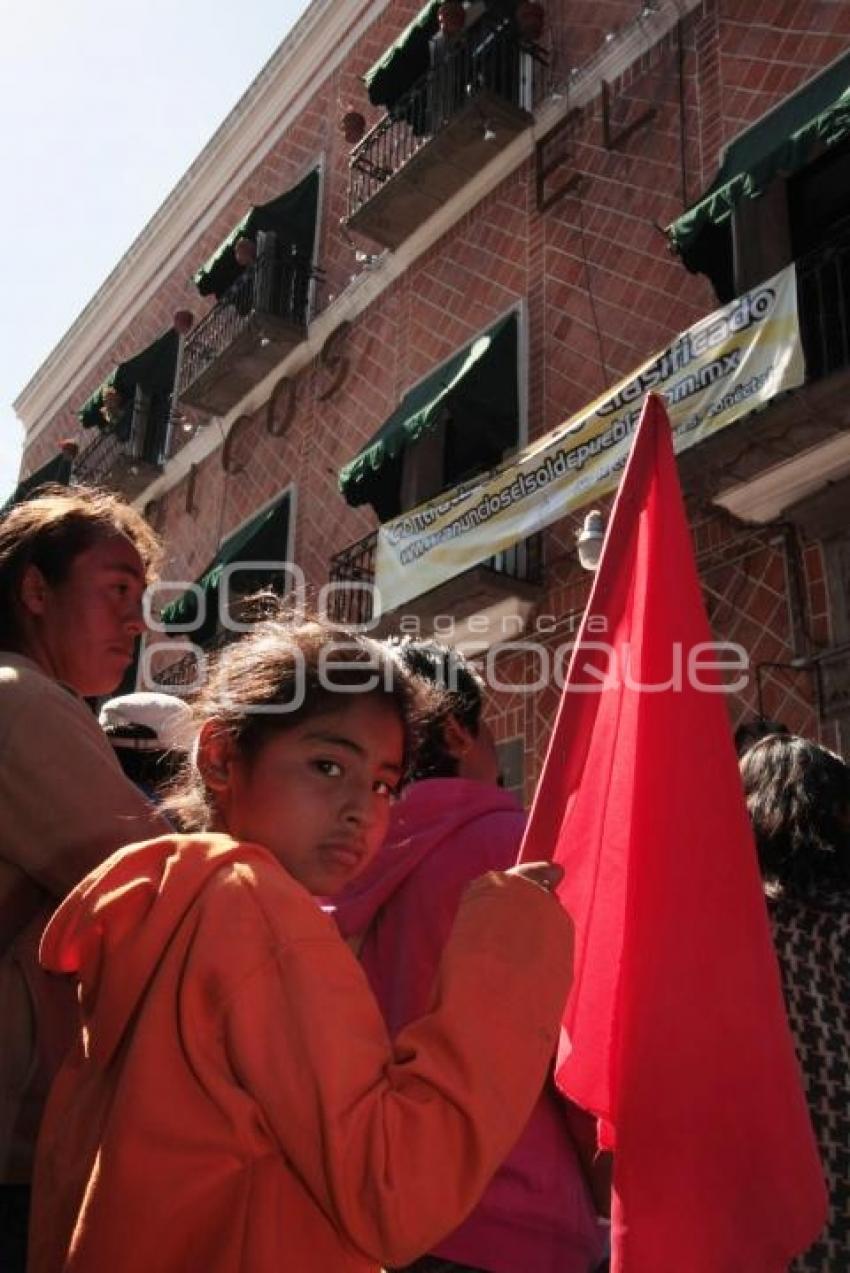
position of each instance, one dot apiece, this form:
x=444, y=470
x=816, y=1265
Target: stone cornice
x=318, y=43
x=766, y=497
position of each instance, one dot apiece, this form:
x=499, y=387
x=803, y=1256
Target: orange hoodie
x=234, y=1102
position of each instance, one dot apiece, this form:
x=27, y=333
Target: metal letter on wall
x=655, y=61
x=191, y=507
x=281, y=407
x=154, y=514
x=551, y=154
x=227, y=457
x=331, y=357
x=611, y=139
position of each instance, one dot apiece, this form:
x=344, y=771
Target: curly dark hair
x=754, y=729
x=447, y=669
x=798, y=798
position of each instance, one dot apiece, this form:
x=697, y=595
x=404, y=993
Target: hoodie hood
x=112, y=930
x=431, y=811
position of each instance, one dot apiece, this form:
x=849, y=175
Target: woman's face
x=318, y=795
x=82, y=631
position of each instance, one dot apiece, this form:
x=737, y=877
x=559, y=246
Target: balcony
x=801, y=444
x=443, y=131
x=187, y=673
x=128, y=456
x=486, y=605
x=261, y=317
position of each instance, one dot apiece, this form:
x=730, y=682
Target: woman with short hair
x=74, y=564
x=798, y=797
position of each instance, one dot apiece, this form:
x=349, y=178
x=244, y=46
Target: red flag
x=675, y=1031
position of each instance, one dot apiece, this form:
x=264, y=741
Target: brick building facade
x=562, y=226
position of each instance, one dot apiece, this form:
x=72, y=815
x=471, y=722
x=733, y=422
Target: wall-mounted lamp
x=590, y=539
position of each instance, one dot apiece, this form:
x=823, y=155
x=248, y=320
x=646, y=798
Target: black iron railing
x=121, y=449
x=353, y=573
x=275, y=286
x=190, y=669
x=491, y=58
x=823, y=284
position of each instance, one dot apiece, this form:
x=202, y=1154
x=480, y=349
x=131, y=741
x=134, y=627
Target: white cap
x=148, y=722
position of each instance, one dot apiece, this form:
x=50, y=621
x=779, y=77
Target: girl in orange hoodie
x=234, y=1103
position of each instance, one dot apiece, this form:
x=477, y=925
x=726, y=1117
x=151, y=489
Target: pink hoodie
x=537, y=1212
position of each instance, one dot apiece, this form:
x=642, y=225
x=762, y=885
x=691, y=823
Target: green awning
x=782, y=142
x=153, y=370
x=474, y=381
x=405, y=61
x=264, y=538
x=292, y=216
x=57, y=469
x=408, y=58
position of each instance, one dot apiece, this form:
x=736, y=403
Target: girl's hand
x=546, y=875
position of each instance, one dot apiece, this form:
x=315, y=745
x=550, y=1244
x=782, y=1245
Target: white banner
x=713, y=374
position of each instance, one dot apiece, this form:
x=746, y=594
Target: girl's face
x=316, y=795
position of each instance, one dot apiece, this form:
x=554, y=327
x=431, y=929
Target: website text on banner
x=713, y=374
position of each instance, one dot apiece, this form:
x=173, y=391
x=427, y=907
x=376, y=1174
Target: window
x=459, y=421
x=274, y=275
x=781, y=187
x=134, y=403
x=265, y=538
x=488, y=53
x=819, y=199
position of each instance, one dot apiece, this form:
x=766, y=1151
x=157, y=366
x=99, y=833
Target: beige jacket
x=64, y=806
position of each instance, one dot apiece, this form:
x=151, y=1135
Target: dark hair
x=798, y=798
x=300, y=667
x=54, y=527
x=447, y=669
x=151, y=770
x=757, y=727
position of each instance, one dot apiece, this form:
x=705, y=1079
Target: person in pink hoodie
x=454, y=822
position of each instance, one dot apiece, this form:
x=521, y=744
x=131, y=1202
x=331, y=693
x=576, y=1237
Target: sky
x=105, y=103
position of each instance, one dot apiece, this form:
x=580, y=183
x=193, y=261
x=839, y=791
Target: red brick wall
x=768, y=48
x=763, y=589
